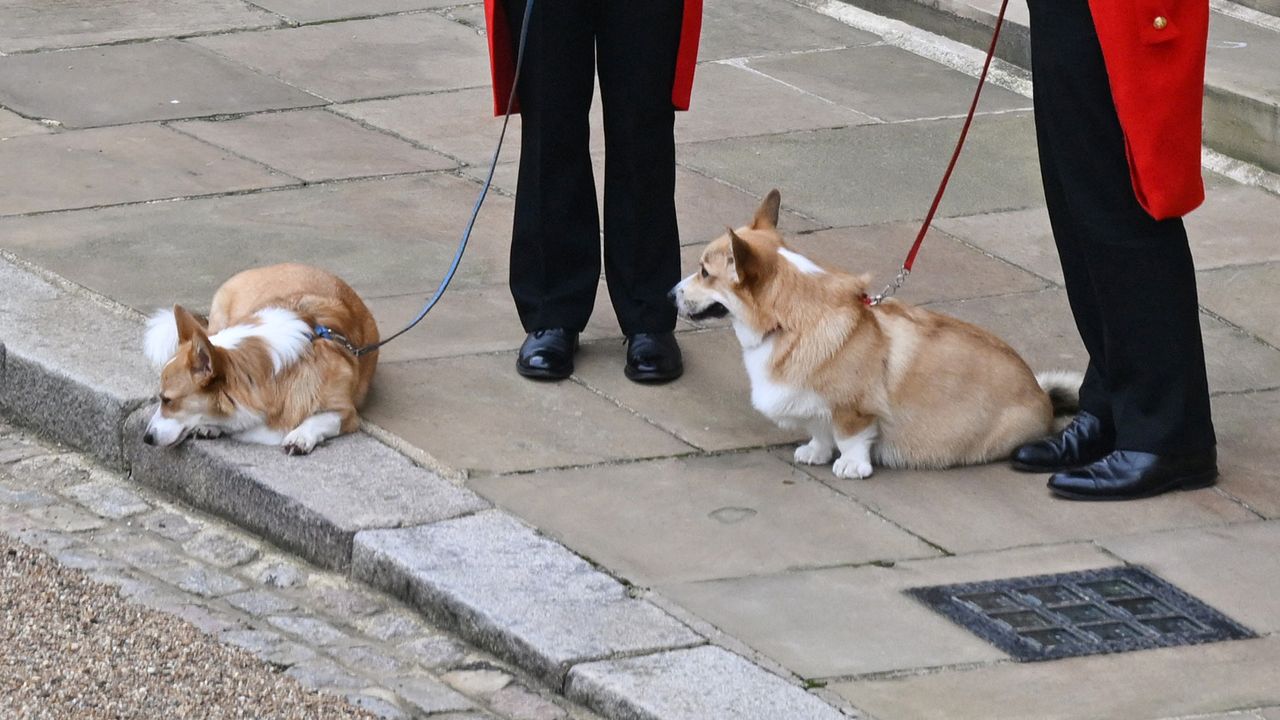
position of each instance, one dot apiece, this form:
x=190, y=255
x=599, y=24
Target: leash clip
x=891, y=289
x=325, y=333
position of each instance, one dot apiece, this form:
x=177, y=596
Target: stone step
x=1242, y=87
x=1271, y=7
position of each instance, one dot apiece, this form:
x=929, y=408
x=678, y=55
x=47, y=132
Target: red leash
x=901, y=278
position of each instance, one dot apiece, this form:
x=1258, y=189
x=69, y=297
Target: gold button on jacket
x=1160, y=22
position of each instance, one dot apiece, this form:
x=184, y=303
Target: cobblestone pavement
x=303, y=623
x=73, y=648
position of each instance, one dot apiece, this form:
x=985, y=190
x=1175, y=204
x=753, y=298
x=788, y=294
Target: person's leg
x=637, y=53
x=555, y=243
x=1082, y=294
x=1143, y=280
x=1091, y=434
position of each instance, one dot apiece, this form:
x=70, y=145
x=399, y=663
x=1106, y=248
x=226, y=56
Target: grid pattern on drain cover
x=1083, y=613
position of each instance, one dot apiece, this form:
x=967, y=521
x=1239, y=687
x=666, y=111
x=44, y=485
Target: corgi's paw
x=851, y=468
x=813, y=453
x=301, y=441
x=207, y=432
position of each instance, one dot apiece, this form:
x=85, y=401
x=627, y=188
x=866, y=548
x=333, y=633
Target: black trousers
x=1129, y=278
x=555, y=245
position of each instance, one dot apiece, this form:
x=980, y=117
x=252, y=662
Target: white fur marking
x=288, y=337
x=802, y=263
x=165, y=431
x=855, y=453
x=261, y=435
x=313, y=431
x=161, y=339
x=819, y=450
x=785, y=405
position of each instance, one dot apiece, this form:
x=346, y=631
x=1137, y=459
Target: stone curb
x=312, y=505
x=693, y=684
x=1240, y=122
x=501, y=585
x=68, y=368
x=71, y=368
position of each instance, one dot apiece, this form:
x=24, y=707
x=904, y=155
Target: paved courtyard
x=151, y=149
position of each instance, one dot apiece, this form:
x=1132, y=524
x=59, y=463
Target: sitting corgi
x=889, y=384
x=276, y=363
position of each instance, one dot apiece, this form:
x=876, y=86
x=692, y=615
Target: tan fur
x=214, y=381
x=941, y=392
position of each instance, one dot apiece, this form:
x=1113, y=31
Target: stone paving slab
x=29, y=26
x=856, y=620
x=1029, y=514
x=1167, y=682
x=1216, y=565
x=68, y=367
x=469, y=320
x=1228, y=230
x=501, y=585
x=716, y=416
x=364, y=58
x=695, y=684
x=475, y=412
x=384, y=237
x=883, y=173
x=1248, y=454
x=738, y=102
x=1235, y=361
x=315, y=145
x=118, y=165
x=871, y=80
x=1238, y=293
x=12, y=125
x=750, y=28
x=945, y=270
x=310, y=11
x=704, y=205
x=83, y=88
x=312, y=505
x=700, y=518
x=458, y=123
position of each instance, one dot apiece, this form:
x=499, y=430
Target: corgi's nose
x=148, y=438
x=671, y=295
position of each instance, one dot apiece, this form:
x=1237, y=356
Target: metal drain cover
x=1082, y=613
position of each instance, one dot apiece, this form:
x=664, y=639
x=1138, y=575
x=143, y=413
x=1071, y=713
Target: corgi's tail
x=161, y=339
x=1063, y=388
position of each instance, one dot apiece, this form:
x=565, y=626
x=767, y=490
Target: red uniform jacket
x=502, y=62
x=1155, y=53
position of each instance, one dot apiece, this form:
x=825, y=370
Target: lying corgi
x=889, y=384
x=275, y=365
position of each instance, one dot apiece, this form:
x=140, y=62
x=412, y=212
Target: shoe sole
x=650, y=378
x=1195, y=482
x=533, y=374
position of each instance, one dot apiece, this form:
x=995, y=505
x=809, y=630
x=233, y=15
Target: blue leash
x=328, y=334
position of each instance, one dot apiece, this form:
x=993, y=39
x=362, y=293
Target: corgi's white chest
x=786, y=405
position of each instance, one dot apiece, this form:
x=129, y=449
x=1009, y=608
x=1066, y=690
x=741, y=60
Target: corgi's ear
x=745, y=263
x=205, y=360
x=188, y=325
x=767, y=214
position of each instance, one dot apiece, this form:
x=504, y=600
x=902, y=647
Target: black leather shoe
x=547, y=354
x=1128, y=475
x=653, y=358
x=1082, y=442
